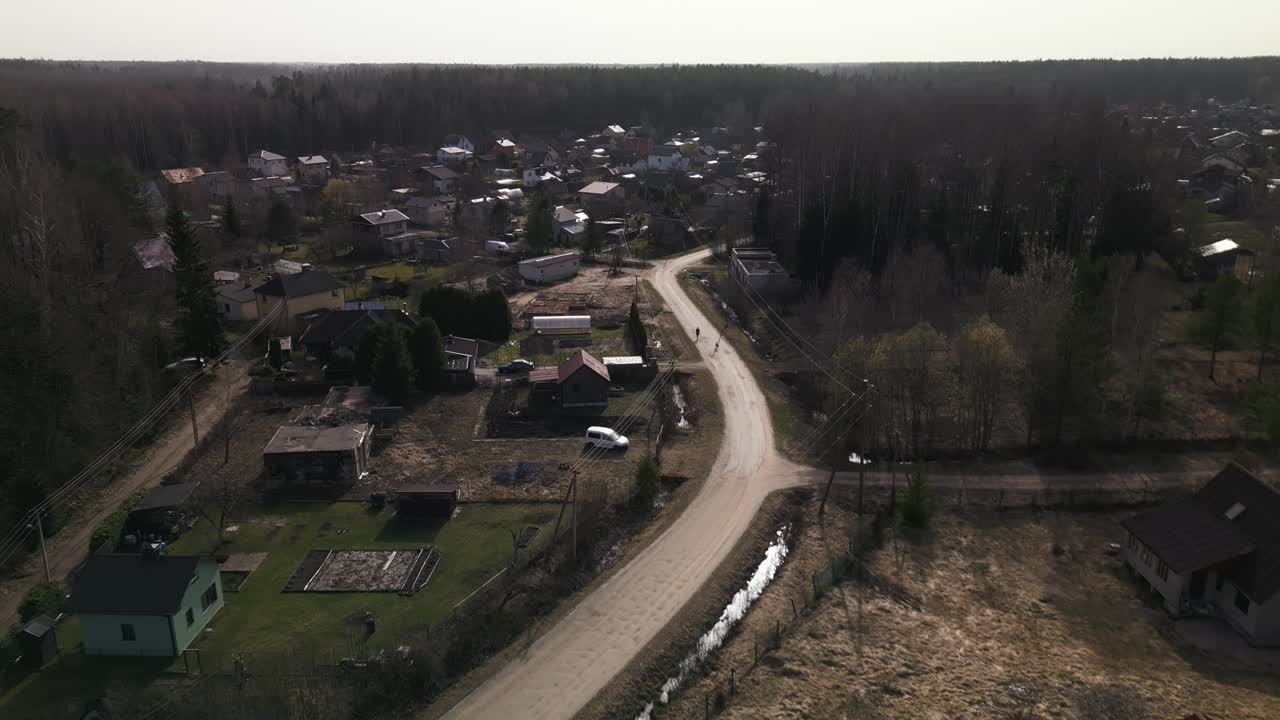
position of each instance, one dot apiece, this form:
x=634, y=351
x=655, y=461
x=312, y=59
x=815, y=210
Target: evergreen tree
x=592, y=240
x=648, y=483
x=451, y=310
x=199, y=325
x=494, y=315
x=761, y=222
x=392, y=375
x=1223, y=306
x=282, y=228
x=426, y=349
x=540, y=227
x=231, y=219
x=366, y=351
x=639, y=334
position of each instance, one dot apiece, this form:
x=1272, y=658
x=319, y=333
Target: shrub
x=648, y=483
x=43, y=599
x=106, y=535
x=917, y=503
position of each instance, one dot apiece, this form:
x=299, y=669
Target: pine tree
x=592, y=240
x=426, y=349
x=540, y=226
x=494, y=314
x=282, y=229
x=392, y=374
x=639, y=334
x=199, y=325
x=231, y=219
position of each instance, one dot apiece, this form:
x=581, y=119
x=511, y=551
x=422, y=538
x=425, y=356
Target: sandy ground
x=67, y=550
x=984, y=619
x=570, y=663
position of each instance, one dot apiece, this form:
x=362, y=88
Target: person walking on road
x=697, y=334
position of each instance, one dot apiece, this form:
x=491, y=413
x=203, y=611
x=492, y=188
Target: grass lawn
x=603, y=342
x=406, y=272
x=474, y=545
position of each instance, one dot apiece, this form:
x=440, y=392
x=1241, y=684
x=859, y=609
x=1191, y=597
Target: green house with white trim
x=145, y=605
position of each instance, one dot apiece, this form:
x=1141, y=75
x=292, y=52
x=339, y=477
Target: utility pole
x=574, y=489
x=195, y=431
x=43, y=555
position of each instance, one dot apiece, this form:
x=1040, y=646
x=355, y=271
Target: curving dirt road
x=68, y=548
x=571, y=662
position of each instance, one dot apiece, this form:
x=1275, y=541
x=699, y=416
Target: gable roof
x=382, y=217
x=167, y=496
x=577, y=361
x=345, y=328
x=598, y=188
x=313, y=160
x=181, y=176
x=664, y=150
x=133, y=584
x=1194, y=533
x=266, y=155
x=441, y=172
x=155, y=253
x=307, y=282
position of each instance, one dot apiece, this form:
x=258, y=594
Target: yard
x=473, y=546
x=988, y=616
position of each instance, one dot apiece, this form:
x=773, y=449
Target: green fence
x=836, y=570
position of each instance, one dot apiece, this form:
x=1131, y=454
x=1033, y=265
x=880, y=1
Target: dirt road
x=68, y=548
x=564, y=669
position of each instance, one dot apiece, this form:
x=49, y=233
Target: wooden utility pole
x=43, y=555
x=195, y=431
x=574, y=488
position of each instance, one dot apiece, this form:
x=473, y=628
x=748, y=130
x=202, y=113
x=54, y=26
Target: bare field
x=592, y=291
x=979, y=620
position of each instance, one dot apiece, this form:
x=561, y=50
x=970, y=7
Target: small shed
x=628, y=369
x=549, y=268
x=561, y=324
x=163, y=511
x=38, y=642
x=1221, y=257
x=423, y=500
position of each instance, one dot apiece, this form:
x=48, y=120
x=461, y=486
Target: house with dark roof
x=581, y=381
x=1216, y=553
x=317, y=457
x=344, y=329
x=302, y=293
x=145, y=605
x=443, y=180
x=313, y=169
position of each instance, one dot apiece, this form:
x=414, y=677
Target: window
x=209, y=596
x=1162, y=570
x=1217, y=585
x=191, y=617
x=126, y=632
x=333, y=293
x=1242, y=602
x=226, y=307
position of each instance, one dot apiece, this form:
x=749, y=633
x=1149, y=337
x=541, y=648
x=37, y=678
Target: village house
x=427, y=211
x=581, y=381
x=145, y=605
x=433, y=250
x=268, y=164
x=549, y=268
x=302, y=293
x=444, y=180
x=237, y=302
x=313, y=169
x=337, y=330
x=504, y=147
x=603, y=198
x=758, y=269
x=317, y=457
x=384, y=223
x=570, y=225
x=1229, y=139
x=1220, y=258
x=459, y=141
x=460, y=362
x=452, y=155
x=1214, y=553
x=185, y=189
x=666, y=158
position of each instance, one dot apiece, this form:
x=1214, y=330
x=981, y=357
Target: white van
x=606, y=439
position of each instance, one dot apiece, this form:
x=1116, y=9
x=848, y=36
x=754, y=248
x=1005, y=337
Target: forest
x=909, y=183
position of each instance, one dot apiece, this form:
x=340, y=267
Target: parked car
x=518, y=365
x=186, y=364
x=606, y=439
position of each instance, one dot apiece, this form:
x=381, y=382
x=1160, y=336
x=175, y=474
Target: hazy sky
x=535, y=31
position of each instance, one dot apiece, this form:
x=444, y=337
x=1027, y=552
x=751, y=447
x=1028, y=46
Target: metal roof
x=133, y=584
x=304, y=439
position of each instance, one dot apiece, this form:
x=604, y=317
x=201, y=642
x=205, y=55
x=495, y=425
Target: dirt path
x=565, y=668
x=68, y=548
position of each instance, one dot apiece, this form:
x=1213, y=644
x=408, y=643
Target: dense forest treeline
x=880, y=168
